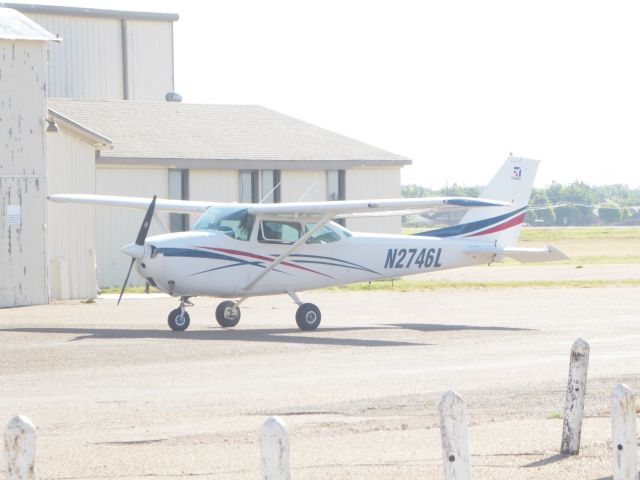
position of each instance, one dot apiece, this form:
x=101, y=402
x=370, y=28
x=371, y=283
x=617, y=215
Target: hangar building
x=115, y=134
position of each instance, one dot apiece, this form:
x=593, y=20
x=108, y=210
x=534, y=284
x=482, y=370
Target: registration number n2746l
x=413, y=257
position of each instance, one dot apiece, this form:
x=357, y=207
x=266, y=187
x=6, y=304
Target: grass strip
x=422, y=285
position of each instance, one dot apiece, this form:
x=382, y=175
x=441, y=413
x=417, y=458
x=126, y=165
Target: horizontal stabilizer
x=525, y=255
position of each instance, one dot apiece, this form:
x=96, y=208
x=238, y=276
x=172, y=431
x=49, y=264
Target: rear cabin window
x=323, y=235
x=275, y=231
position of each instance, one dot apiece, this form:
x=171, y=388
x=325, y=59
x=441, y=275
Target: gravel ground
x=115, y=394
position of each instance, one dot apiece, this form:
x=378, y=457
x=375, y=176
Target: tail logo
x=517, y=173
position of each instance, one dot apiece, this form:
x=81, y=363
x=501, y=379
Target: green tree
x=610, y=214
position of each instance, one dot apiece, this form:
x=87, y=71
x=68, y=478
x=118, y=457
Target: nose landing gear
x=179, y=318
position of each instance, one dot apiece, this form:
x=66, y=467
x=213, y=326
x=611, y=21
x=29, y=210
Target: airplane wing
x=174, y=206
x=335, y=209
x=389, y=206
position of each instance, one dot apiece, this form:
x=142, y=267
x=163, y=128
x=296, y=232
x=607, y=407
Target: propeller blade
x=124, y=285
x=146, y=223
x=142, y=235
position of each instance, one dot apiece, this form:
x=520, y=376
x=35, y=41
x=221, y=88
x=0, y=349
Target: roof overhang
x=85, y=133
x=91, y=12
x=16, y=26
x=249, y=164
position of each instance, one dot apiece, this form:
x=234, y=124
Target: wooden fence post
x=455, y=442
x=574, y=399
x=20, y=449
x=623, y=434
x=275, y=450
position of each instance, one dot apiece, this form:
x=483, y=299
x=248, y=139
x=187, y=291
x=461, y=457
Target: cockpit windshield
x=230, y=220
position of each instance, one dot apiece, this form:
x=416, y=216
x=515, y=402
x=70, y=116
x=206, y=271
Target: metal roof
x=91, y=12
x=216, y=136
x=15, y=26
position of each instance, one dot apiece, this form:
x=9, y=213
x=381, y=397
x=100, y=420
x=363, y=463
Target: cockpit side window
x=232, y=221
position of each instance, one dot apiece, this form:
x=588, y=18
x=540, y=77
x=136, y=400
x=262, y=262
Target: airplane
x=237, y=251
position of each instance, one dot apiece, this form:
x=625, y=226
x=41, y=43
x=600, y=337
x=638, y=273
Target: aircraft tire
x=178, y=321
x=227, y=314
x=308, y=316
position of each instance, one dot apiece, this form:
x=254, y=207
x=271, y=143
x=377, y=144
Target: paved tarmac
x=115, y=394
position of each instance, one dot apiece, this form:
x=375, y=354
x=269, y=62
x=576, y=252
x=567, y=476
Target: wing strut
x=281, y=258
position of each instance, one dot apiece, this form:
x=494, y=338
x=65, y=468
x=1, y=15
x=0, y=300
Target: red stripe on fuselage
x=503, y=226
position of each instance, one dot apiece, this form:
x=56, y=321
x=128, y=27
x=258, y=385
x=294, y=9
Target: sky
x=456, y=86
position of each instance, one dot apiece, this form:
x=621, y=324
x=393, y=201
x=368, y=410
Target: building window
x=336, y=188
x=178, y=190
x=260, y=186
x=335, y=185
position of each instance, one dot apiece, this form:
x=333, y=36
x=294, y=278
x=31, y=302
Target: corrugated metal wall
x=90, y=62
x=116, y=227
x=72, y=232
x=362, y=183
x=303, y=185
x=23, y=273
x=150, y=59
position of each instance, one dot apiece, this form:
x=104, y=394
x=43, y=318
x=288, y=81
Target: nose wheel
x=179, y=318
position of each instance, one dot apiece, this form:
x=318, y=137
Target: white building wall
x=116, y=227
x=23, y=277
x=150, y=59
x=213, y=185
x=303, y=185
x=88, y=62
x=363, y=183
x=71, y=228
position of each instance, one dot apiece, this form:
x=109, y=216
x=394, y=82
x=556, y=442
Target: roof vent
x=173, y=97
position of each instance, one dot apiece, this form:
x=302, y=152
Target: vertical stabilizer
x=499, y=226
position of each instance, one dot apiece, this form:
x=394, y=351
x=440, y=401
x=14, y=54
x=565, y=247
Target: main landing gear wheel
x=308, y=316
x=178, y=319
x=228, y=314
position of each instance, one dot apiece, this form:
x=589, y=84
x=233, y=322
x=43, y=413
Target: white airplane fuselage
x=198, y=263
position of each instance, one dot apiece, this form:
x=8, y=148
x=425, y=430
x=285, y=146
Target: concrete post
x=623, y=434
x=455, y=442
x=20, y=449
x=574, y=399
x=275, y=450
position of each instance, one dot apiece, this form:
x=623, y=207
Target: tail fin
x=499, y=226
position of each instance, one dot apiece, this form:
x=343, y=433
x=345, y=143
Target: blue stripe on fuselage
x=467, y=228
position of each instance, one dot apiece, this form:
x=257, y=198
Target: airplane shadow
x=273, y=335
x=277, y=335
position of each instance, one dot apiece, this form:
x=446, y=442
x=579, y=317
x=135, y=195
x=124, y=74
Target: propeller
x=134, y=249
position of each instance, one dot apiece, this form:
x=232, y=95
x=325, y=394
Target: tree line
x=575, y=204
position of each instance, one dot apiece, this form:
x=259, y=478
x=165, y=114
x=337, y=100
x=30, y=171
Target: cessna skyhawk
x=238, y=251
